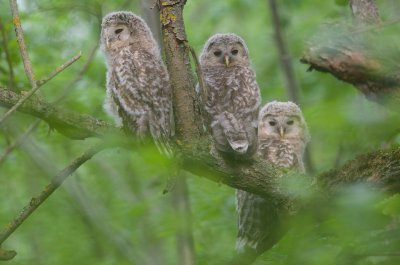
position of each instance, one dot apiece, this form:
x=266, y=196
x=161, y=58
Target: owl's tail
x=160, y=131
x=234, y=132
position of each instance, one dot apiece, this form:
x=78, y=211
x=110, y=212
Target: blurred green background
x=112, y=211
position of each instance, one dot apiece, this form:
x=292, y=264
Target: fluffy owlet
x=233, y=97
x=138, y=88
x=282, y=136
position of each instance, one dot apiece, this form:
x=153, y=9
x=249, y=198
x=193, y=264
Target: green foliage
x=112, y=211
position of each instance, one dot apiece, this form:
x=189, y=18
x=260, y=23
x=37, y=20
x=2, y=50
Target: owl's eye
x=217, y=53
x=234, y=52
x=117, y=31
x=272, y=123
x=290, y=122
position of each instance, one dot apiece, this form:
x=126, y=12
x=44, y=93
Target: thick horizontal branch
x=369, y=74
x=68, y=123
x=380, y=167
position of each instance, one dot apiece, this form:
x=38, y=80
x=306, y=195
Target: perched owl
x=282, y=136
x=233, y=97
x=138, y=87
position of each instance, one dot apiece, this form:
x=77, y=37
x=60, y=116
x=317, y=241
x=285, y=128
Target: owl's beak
x=281, y=132
x=226, y=59
x=108, y=43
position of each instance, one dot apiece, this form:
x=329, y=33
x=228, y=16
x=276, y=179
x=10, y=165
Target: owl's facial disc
x=116, y=36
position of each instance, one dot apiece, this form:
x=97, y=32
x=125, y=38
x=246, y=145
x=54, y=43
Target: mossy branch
x=70, y=124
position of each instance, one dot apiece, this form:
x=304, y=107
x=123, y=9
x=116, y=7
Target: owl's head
x=120, y=29
x=282, y=120
x=225, y=50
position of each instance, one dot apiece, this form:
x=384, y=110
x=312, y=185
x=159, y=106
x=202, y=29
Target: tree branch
x=21, y=43
x=37, y=86
x=353, y=56
x=56, y=182
x=292, y=86
x=256, y=176
x=68, y=123
x=284, y=56
x=11, y=82
x=177, y=54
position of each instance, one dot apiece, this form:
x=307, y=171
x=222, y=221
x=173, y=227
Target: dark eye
x=234, y=52
x=118, y=31
x=272, y=123
x=290, y=122
x=217, y=53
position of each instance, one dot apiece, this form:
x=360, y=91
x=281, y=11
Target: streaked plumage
x=138, y=87
x=233, y=97
x=282, y=136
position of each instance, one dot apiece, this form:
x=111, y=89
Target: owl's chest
x=279, y=152
x=230, y=88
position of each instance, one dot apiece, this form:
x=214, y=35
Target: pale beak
x=226, y=60
x=107, y=43
x=281, y=132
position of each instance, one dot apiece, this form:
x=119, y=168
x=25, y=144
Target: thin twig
x=62, y=95
x=11, y=82
x=19, y=140
x=199, y=73
x=58, y=70
x=40, y=83
x=78, y=77
x=56, y=182
x=284, y=56
x=21, y=42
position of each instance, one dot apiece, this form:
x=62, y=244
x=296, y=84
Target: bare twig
x=19, y=140
x=11, y=82
x=78, y=77
x=37, y=86
x=58, y=70
x=284, y=56
x=202, y=86
x=62, y=95
x=56, y=182
x=21, y=42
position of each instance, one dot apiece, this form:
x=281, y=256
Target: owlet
x=283, y=136
x=138, y=87
x=233, y=97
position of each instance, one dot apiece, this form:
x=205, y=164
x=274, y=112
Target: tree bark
x=179, y=68
x=70, y=124
x=353, y=56
x=256, y=176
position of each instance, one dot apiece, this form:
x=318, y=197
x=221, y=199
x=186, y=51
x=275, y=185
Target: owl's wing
x=144, y=92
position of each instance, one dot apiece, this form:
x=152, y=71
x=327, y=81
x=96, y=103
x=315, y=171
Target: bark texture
x=358, y=56
x=70, y=124
x=179, y=68
x=380, y=167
